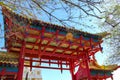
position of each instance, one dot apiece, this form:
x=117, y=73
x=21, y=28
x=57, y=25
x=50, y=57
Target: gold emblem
x=69, y=36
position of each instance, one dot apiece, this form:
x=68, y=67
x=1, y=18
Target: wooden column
x=87, y=64
x=21, y=62
x=72, y=68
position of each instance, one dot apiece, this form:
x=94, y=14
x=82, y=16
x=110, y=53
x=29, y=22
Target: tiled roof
x=45, y=24
x=95, y=66
x=8, y=58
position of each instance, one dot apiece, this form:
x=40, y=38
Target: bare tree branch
x=49, y=13
x=68, y=2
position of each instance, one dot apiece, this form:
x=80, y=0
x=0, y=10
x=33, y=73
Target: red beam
x=58, y=47
x=55, y=55
x=47, y=67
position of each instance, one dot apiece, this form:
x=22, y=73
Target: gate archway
x=38, y=41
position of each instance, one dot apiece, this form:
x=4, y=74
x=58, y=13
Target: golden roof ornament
x=103, y=34
x=69, y=36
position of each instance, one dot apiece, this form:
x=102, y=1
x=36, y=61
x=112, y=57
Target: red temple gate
x=38, y=41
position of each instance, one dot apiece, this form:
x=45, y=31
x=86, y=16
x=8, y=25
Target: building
x=35, y=74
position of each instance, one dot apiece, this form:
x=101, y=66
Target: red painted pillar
x=87, y=64
x=72, y=75
x=72, y=68
x=21, y=62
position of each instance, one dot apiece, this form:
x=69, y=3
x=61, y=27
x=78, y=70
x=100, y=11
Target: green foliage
x=1, y=3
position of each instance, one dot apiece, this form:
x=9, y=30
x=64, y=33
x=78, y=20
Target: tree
x=111, y=23
x=72, y=12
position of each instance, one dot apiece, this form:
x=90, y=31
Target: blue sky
x=1, y=30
